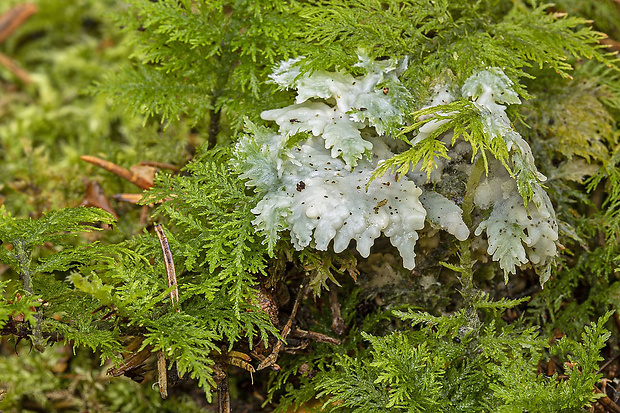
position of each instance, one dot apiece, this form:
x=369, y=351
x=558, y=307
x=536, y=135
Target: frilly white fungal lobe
x=377, y=99
x=318, y=189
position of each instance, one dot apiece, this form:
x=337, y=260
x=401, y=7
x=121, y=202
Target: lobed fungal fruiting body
x=320, y=188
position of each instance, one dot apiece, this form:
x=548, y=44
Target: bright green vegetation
x=497, y=119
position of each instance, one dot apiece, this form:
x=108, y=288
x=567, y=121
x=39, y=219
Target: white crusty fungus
x=515, y=234
x=317, y=186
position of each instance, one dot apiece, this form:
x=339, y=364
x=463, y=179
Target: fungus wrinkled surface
x=516, y=234
x=518, y=230
x=315, y=175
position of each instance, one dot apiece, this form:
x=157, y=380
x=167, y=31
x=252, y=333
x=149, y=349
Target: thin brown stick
x=162, y=374
x=128, y=197
x=20, y=73
x=169, y=263
x=126, y=174
x=234, y=361
x=160, y=165
x=133, y=362
x=321, y=338
x=223, y=394
x=269, y=360
x=607, y=363
x=338, y=325
x=15, y=17
x=261, y=359
x=239, y=355
x=606, y=402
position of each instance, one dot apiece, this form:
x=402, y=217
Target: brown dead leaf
x=94, y=196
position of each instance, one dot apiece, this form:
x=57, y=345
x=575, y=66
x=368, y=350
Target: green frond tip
x=463, y=118
x=426, y=152
x=52, y=227
x=10, y=306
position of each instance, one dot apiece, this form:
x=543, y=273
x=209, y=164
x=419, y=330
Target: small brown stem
x=607, y=363
x=169, y=263
x=269, y=360
x=162, y=374
x=131, y=198
x=236, y=358
x=174, y=297
x=160, y=165
x=321, y=338
x=133, y=362
x=261, y=359
x=15, y=17
x=126, y=174
x=9, y=22
x=14, y=68
x=606, y=402
x=338, y=325
x=223, y=394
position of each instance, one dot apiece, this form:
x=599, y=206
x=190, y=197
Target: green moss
x=153, y=81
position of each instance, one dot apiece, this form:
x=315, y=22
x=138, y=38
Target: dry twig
x=338, y=325
x=126, y=174
x=160, y=165
x=271, y=359
x=606, y=402
x=134, y=360
x=9, y=22
x=15, y=17
x=20, y=73
x=169, y=263
x=318, y=337
x=162, y=374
